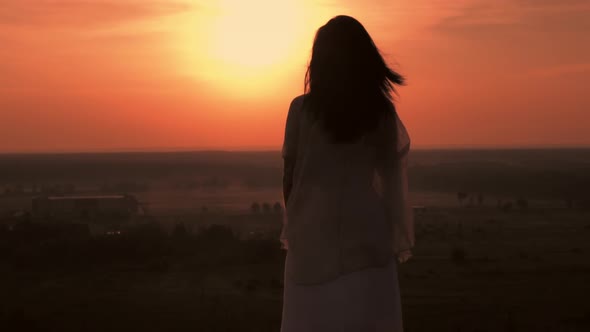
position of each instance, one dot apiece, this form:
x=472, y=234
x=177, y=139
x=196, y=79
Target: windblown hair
x=348, y=85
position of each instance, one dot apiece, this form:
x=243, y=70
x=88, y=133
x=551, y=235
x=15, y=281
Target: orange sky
x=87, y=75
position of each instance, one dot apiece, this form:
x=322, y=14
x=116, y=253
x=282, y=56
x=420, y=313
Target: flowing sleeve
x=290, y=142
x=289, y=154
x=393, y=183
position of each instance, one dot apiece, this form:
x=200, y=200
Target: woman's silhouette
x=345, y=190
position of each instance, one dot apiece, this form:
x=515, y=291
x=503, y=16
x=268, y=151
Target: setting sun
x=255, y=34
x=249, y=46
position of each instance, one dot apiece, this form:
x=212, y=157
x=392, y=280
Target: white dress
x=337, y=223
x=367, y=300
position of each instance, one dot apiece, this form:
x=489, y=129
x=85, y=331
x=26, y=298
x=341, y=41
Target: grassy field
x=475, y=269
x=482, y=267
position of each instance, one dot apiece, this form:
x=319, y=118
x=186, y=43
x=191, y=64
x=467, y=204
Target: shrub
x=180, y=230
x=480, y=199
x=252, y=285
x=277, y=207
x=458, y=255
x=255, y=207
x=216, y=234
x=522, y=203
x=461, y=196
x=257, y=251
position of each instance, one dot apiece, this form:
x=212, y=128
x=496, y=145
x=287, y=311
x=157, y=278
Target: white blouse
x=348, y=207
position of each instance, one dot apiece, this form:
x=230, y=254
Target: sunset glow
x=249, y=46
x=152, y=74
x=256, y=34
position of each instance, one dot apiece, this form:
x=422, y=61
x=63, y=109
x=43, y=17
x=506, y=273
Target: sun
x=255, y=33
x=245, y=47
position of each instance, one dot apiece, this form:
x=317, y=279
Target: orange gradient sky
x=101, y=75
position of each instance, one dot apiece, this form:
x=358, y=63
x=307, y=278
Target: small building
x=419, y=209
x=88, y=208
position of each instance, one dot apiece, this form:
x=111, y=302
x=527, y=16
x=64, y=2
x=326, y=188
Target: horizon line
x=275, y=149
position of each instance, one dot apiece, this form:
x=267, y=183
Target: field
x=502, y=243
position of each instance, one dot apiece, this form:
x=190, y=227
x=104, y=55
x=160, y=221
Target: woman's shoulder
x=297, y=102
x=296, y=108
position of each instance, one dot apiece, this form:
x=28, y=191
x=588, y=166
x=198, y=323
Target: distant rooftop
x=85, y=197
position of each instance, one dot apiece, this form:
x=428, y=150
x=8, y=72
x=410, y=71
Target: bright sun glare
x=248, y=45
x=255, y=33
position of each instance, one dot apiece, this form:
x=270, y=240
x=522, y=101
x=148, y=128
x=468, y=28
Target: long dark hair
x=348, y=85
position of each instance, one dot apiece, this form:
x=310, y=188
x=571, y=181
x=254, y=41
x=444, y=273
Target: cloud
x=560, y=70
x=83, y=13
x=512, y=12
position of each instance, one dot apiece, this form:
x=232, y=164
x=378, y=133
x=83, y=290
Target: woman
x=345, y=190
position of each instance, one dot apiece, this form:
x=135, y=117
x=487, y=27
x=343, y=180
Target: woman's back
x=337, y=216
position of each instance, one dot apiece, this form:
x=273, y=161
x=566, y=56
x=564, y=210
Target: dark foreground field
x=518, y=260
x=474, y=270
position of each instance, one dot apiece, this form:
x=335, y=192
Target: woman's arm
x=290, y=146
x=288, y=167
x=289, y=154
x=394, y=185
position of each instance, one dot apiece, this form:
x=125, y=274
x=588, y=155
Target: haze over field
x=160, y=75
x=501, y=242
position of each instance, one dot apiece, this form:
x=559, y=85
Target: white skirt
x=366, y=300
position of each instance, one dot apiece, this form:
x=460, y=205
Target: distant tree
x=255, y=207
x=266, y=207
x=105, y=187
x=129, y=187
x=522, y=203
x=191, y=185
x=276, y=284
x=216, y=234
x=458, y=255
x=70, y=188
x=179, y=230
x=569, y=203
x=19, y=189
x=204, y=209
x=46, y=189
x=150, y=232
x=277, y=207
x=214, y=182
x=460, y=230
x=238, y=284
x=57, y=189
x=461, y=196
x=480, y=199
x=507, y=206
x=583, y=204
x=252, y=285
